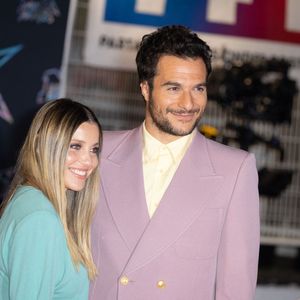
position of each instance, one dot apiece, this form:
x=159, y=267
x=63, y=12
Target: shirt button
x=124, y=280
x=161, y=284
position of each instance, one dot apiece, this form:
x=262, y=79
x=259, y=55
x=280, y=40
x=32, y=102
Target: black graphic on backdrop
x=31, y=47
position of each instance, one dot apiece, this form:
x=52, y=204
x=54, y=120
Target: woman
x=45, y=250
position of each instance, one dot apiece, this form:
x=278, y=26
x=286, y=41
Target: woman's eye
x=75, y=146
x=95, y=150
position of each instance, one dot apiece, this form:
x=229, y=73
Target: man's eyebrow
x=201, y=84
x=174, y=83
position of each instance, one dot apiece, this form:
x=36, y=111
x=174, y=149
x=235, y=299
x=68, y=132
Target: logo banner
x=241, y=27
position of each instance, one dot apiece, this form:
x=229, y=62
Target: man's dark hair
x=173, y=40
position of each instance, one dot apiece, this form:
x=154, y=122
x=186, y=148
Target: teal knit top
x=35, y=262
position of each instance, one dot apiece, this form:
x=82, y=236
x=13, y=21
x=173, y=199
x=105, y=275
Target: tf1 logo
x=267, y=19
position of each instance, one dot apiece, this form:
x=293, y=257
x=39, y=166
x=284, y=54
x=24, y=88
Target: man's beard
x=164, y=125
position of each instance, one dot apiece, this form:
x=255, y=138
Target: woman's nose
x=86, y=158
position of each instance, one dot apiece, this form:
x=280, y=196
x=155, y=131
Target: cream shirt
x=160, y=162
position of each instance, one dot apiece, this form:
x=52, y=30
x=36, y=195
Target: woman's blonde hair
x=41, y=165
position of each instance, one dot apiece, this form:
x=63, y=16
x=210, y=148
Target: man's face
x=178, y=98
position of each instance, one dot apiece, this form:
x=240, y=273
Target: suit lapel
x=193, y=185
x=123, y=186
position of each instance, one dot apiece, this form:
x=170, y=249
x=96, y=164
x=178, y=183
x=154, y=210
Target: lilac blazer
x=201, y=243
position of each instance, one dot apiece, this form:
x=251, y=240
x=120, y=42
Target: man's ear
x=145, y=90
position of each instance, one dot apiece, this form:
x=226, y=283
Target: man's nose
x=186, y=101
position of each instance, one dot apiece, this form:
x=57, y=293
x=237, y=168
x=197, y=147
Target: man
x=178, y=217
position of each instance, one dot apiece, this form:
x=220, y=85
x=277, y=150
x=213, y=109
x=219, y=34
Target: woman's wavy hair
x=41, y=164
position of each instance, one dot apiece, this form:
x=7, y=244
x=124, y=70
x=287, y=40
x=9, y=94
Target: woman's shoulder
x=29, y=201
x=28, y=214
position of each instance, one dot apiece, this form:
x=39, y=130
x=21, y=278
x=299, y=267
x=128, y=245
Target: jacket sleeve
x=238, y=252
x=35, y=261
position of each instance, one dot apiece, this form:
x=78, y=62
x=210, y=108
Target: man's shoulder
x=115, y=135
x=226, y=157
x=222, y=149
x=111, y=139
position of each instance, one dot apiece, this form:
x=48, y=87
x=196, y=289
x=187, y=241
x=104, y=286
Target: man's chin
x=182, y=132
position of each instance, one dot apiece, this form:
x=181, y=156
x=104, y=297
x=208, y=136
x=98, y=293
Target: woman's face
x=82, y=157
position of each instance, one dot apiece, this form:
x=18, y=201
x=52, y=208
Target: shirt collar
x=177, y=148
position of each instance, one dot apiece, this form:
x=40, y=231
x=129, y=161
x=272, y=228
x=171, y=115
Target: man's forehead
x=171, y=68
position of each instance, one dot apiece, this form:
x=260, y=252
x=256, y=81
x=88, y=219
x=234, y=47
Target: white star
x=6, y=54
x=4, y=111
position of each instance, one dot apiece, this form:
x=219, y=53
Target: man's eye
x=200, y=88
x=173, y=88
x=75, y=146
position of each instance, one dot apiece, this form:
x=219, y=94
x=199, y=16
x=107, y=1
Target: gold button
x=161, y=284
x=124, y=280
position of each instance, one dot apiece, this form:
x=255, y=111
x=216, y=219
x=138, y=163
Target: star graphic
x=4, y=111
x=7, y=54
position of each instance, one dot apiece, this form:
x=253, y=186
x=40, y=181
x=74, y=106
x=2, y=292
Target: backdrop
x=31, y=48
